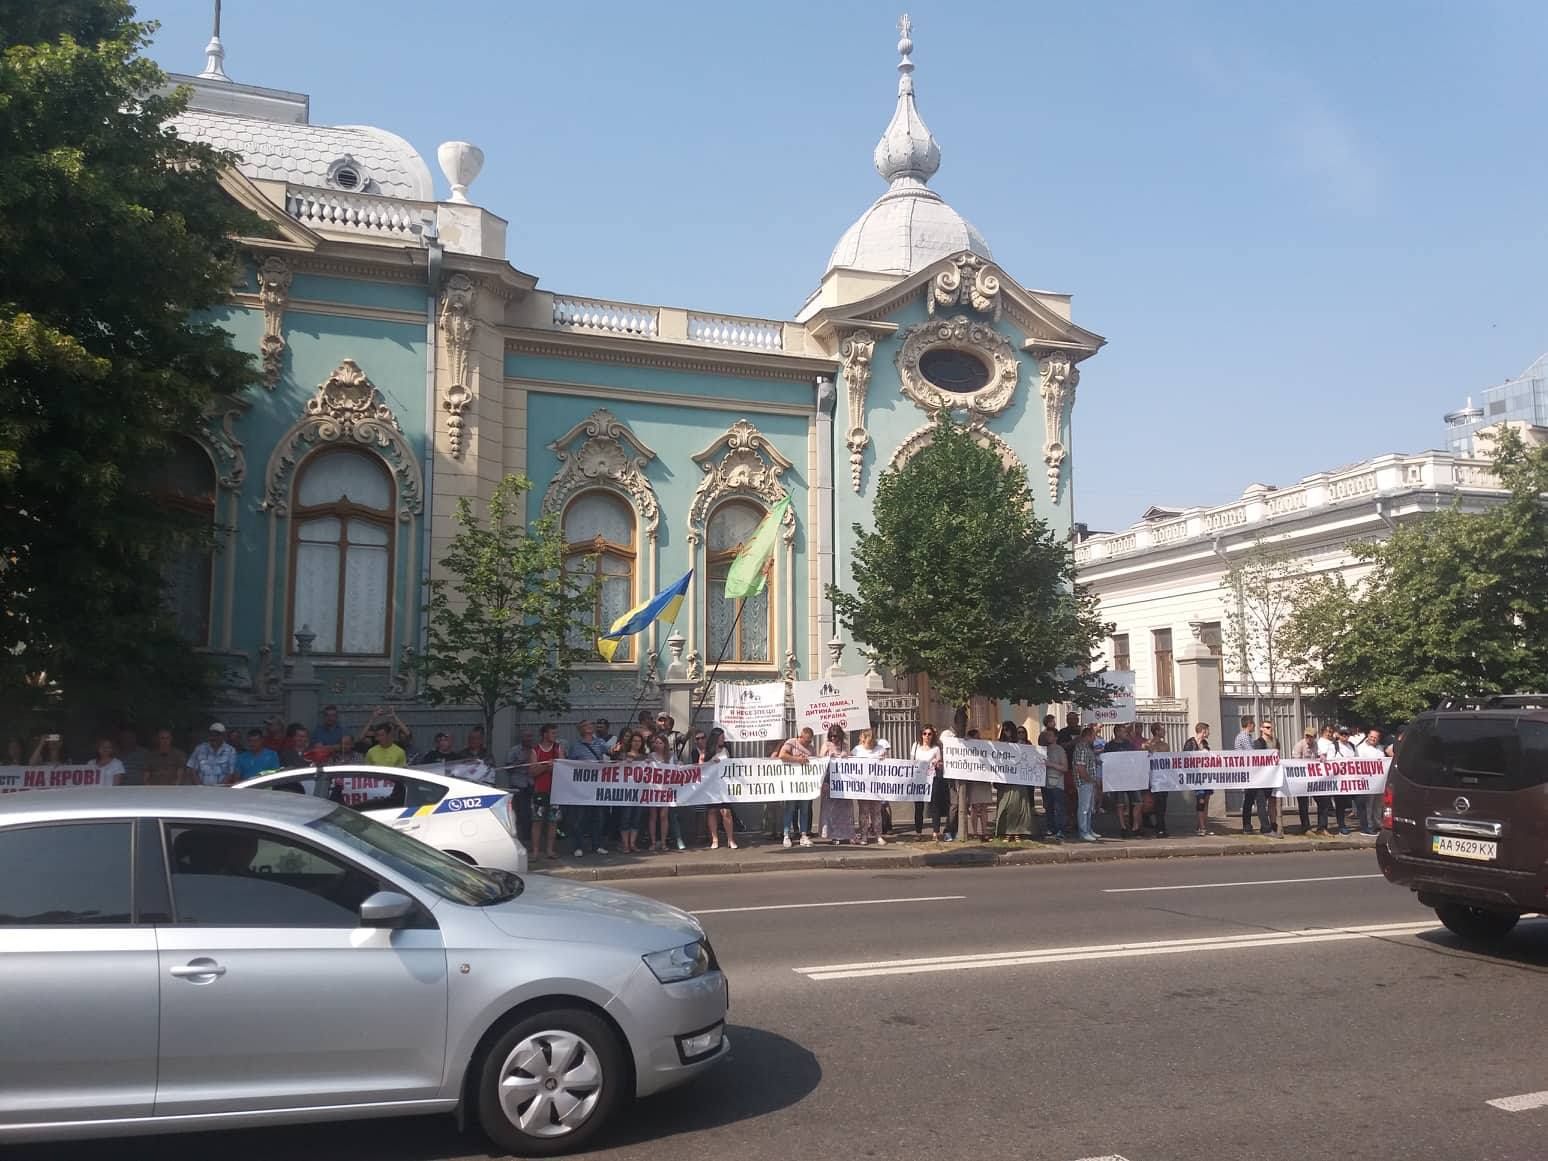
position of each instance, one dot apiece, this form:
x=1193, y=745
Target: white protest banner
x=1122, y=707
x=751, y=713
x=832, y=701
x=889, y=780
x=1008, y=763
x=14, y=778
x=1125, y=770
x=1209, y=770
x=1309, y=777
x=647, y=784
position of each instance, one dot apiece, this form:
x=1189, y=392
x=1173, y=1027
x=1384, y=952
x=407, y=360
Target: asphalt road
x=1153, y=1011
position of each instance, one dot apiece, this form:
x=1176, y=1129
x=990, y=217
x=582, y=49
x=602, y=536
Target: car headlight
x=679, y=963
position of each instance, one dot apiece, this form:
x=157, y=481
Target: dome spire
x=907, y=153
x=215, y=53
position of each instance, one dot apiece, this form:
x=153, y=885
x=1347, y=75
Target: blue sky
x=1306, y=230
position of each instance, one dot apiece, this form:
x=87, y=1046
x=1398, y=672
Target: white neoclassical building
x=1159, y=581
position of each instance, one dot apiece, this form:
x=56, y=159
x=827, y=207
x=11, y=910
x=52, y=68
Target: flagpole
x=709, y=681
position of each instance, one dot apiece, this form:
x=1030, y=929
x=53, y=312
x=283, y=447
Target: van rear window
x=1475, y=753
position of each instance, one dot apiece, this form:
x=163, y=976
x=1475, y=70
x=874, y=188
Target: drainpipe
x=433, y=255
x=1384, y=514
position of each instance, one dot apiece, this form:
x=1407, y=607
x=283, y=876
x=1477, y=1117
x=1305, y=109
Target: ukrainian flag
x=662, y=606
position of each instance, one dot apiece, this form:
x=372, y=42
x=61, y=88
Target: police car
x=472, y=822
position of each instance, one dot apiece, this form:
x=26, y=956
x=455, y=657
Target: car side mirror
x=386, y=909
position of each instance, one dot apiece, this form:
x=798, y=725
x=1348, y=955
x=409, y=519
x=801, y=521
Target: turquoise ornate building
x=408, y=364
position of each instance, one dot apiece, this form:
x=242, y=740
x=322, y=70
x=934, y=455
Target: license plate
x=1479, y=850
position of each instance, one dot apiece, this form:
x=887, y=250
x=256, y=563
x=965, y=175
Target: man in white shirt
x=1369, y=805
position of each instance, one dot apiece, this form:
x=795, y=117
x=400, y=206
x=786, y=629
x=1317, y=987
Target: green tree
x=1454, y=605
x=114, y=237
x=508, y=620
x=1260, y=590
x=962, y=581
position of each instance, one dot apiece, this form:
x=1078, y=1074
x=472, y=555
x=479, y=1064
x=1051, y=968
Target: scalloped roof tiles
x=303, y=154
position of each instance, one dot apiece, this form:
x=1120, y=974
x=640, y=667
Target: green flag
x=746, y=578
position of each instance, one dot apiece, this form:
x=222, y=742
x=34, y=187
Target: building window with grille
x=731, y=525
x=1121, y=660
x=599, y=545
x=185, y=483
x=1161, y=648
x=341, y=582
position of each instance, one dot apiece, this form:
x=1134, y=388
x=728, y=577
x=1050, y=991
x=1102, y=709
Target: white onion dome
x=909, y=226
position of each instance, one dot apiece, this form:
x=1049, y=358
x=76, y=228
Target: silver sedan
x=188, y=958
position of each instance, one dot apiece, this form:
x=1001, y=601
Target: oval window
x=952, y=370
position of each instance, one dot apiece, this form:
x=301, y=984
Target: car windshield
x=427, y=867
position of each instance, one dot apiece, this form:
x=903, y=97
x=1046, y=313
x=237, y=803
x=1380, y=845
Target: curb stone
x=1111, y=850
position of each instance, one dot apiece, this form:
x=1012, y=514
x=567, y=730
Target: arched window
x=341, y=582
x=730, y=526
x=599, y=541
x=185, y=483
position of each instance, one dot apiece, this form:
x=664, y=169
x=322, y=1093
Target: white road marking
x=1105, y=1157
x=1520, y=1104
x=839, y=903
x=1248, y=883
x=1036, y=957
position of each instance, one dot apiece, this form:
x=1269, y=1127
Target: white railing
x=612, y=318
x=1361, y=485
x=747, y=334
x=357, y=213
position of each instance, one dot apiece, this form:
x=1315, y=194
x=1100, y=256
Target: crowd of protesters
x=958, y=809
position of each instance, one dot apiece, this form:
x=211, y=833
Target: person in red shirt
x=544, y=813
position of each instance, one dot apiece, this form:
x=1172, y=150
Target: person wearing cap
x=1305, y=750
x=1343, y=751
x=213, y=760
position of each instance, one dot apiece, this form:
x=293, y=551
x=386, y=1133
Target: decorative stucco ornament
x=968, y=281
x=856, y=350
x=274, y=278
x=345, y=409
x=959, y=333
x=1059, y=376
x=457, y=328
x=741, y=462
x=601, y=452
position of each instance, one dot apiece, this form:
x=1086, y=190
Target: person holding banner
x=1054, y=818
x=797, y=823
x=663, y=818
x=1157, y=744
x=631, y=748
x=1013, y=818
x=715, y=750
x=870, y=808
x=928, y=749
x=838, y=814
x=1200, y=741
x=110, y=770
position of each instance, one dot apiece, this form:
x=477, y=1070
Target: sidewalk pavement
x=760, y=854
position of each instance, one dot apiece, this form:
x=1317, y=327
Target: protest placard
x=1124, y=770
x=832, y=701
x=866, y=778
x=1309, y=777
x=751, y=713
x=14, y=778
x=1122, y=706
x=1211, y=770
x=1007, y=763
x=647, y=784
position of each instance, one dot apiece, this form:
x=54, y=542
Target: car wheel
x=1476, y=924
x=551, y=1082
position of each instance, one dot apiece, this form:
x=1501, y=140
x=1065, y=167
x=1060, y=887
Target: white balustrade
x=1169, y=533
x=357, y=213
x=746, y=334
x=613, y=318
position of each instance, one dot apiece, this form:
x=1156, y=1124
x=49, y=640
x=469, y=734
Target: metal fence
x=1171, y=714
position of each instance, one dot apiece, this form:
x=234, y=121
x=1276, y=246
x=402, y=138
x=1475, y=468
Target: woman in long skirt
x=1013, y=820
